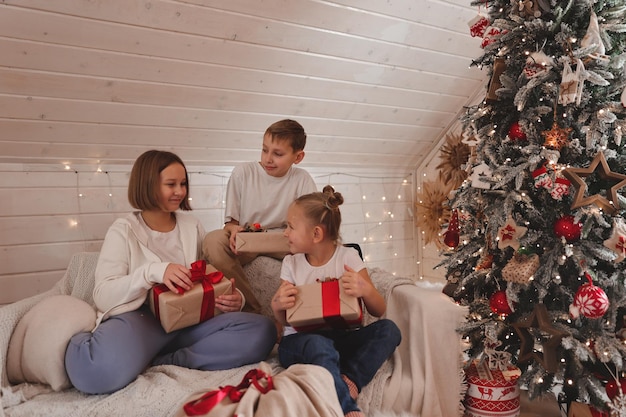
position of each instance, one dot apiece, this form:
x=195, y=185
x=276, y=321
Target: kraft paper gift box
x=324, y=305
x=177, y=311
x=262, y=242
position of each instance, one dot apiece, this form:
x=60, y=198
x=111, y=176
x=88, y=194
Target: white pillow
x=37, y=348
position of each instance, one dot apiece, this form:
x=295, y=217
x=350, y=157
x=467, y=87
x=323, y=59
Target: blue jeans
x=123, y=346
x=358, y=354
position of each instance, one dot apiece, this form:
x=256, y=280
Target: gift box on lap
x=262, y=242
x=322, y=305
x=177, y=311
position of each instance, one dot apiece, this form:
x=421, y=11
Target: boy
x=260, y=192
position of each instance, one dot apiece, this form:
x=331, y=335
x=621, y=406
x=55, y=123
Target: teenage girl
x=153, y=245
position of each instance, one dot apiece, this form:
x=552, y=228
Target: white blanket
x=422, y=378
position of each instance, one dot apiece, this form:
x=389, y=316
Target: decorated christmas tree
x=535, y=237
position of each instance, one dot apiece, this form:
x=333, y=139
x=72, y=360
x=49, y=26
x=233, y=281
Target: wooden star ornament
x=539, y=319
x=556, y=137
x=576, y=175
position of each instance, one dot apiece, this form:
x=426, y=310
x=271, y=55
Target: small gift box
x=520, y=268
x=324, y=305
x=262, y=242
x=492, y=392
x=177, y=311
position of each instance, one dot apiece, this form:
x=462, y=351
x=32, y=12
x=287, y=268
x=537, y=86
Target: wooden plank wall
x=373, y=82
x=49, y=212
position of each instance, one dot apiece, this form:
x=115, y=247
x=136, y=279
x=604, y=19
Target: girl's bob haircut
x=143, y=185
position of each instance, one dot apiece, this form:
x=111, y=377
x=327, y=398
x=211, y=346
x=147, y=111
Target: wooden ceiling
x=375, y=83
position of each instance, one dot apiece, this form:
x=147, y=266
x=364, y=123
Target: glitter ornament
x=451, y=236
x=499, y=304
x=565, y=227
x=516, y=132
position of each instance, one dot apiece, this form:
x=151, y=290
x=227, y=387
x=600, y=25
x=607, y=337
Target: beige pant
x=216, y=250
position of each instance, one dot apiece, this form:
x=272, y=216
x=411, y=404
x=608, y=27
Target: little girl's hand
x=177, y=278
x=353, y=283
x=285, y=297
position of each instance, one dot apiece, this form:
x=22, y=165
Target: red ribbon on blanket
x=209, y=400
x=198, y=273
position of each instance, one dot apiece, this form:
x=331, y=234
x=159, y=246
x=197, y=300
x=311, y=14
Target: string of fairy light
x=378, y=205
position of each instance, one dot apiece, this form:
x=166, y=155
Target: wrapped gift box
x=262, y=242
x=324, y=305
x=492, y=392
x=177, y=311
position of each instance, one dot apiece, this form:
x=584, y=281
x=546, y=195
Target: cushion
x=37, y=347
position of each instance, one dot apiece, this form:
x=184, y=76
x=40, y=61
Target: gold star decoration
x=509, y=234
x=577, y=175
x=556, y=137
x=539, y=319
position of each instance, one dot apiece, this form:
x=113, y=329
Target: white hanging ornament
x=537, y=63
x=478, y=25
x=480, y=172
x=561, y=188
x=617, y=241
x=571, y=88
x=592, y=37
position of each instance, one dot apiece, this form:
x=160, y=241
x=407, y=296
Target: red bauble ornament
x=516, y=132
x=565, y=227
x=612, y=388
x=452, y=235
x=499, y=303
x=590, y=301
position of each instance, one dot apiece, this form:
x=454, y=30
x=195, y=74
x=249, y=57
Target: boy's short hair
x=143, y=185
x=288, y=130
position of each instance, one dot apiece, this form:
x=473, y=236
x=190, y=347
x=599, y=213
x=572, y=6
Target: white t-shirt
x=253, y=196
x=297, y=270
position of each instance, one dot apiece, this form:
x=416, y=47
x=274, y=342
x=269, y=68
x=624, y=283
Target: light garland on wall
x=399, y=194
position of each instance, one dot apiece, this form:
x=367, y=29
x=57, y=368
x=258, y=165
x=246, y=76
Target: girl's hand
x=229, y=302
x=285, y=297
x=177, y=278
x=354, y=284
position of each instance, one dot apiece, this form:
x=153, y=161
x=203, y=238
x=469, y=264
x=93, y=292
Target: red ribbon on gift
x=331, y=309
x=208, y=401
x=198, y=273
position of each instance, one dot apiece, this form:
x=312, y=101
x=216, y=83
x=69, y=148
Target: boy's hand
x=353, y=283
x=229, y=302
x=233, y=229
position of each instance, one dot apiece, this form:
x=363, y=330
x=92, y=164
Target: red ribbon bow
x=206, y=402
x=198, y=273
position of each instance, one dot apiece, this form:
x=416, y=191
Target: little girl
x=352, y=356
x=157, y=244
